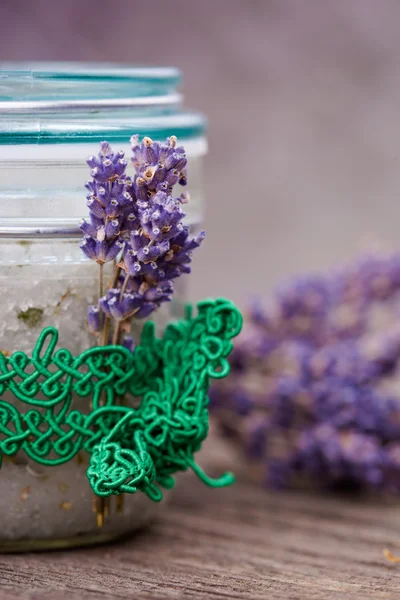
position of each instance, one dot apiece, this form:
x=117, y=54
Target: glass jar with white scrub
x=52, y=116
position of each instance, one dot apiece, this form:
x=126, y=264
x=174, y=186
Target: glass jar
x=52, y=116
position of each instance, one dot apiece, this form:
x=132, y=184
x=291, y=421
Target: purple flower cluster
x=159, y=166
x=314, y=392
x=160, y=248
x=137, y=223
x=138, y=300
x=110, y=203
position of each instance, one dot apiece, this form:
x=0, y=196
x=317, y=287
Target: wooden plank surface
x=241, y=542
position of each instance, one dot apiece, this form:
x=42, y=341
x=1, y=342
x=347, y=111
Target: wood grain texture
x=233, y=543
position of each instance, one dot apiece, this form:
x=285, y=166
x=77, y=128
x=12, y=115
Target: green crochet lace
x=131, y=448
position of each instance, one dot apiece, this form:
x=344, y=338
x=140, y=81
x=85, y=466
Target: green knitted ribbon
x=131, y=448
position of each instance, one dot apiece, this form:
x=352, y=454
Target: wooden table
x=241, y=542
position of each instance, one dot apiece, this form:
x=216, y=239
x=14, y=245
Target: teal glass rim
x=184, y=125
x=39, y=81
x=64, y=103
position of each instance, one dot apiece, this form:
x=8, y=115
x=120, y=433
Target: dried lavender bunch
x=137, y=224
x=314, y=391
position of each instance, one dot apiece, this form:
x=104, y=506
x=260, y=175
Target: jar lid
x=48, y=81
x=58, y=103
x=53, y=115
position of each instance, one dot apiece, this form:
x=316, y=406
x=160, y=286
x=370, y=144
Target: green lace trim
x=131, y=448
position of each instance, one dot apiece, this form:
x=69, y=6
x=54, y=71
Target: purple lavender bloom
x=93, y=319
x=120, y=306
x=241, y=402
x=343, y=360
x=113, y=210
x=314, y=389
x=162, y=292
x=176, y=261
x=145, y=249
x=131, y=265
x=161, y=219
x=308, y=296
x=151, y=295
x=139, y=224
x=374, y=274
x=130, y=222
x=101, y=252
x=146, y=309
x=161, y=166
x=139, y=299
x=107, y=164
x=283, y=402
x=334, y=456
x=160, y=247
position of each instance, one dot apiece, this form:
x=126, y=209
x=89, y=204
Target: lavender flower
x=314, y=392
x=161, y=219
x=139, y=222
x=139, y=299
x=93, y=318
x=111, y=205
x=158, y=166
x=332, y=455
x=160, y=248
x=146, y=250
x=101, y=251
x=175, y=262
x=107, y=165
x=119, y=305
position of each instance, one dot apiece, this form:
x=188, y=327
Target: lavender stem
x=101, y=280
x=124, y=285
x=116, y=333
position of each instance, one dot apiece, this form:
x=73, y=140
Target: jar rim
x=50, y=74
x=58, y=103
x=54, y=87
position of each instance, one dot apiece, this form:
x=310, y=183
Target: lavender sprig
x=110, y=203
x=160, y=249
x=137, y=224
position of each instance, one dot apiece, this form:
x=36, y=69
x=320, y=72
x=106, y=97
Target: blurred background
x=303, y=104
